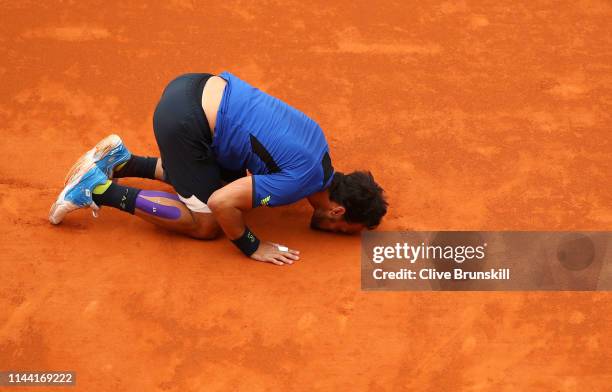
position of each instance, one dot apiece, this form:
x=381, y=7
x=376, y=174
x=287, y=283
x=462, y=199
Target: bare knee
x=207, y=231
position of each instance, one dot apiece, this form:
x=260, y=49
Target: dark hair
x=360, y=195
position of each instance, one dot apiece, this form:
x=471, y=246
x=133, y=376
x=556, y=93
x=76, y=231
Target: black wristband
x=247, y=242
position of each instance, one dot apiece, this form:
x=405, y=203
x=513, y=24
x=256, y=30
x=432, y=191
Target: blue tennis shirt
x=284, y=150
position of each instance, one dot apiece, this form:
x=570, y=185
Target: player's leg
x=184, y=139
x=140, y=167
x=88, y=186
x=136, y=166
x=189, y=167
x=154, y=206
x=116, y=161
x=160, y=208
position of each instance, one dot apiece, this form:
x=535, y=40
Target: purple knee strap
x=159, y=194
x=156, y=209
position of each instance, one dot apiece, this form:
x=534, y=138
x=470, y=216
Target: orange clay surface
x=471, y=115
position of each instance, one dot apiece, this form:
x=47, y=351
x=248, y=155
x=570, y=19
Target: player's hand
x=270, y=252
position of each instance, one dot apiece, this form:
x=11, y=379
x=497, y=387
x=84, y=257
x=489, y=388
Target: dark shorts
x=185, y=142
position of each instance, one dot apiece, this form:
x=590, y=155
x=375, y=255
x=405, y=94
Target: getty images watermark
x=469, y=260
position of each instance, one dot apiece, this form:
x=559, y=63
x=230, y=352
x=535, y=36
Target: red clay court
x=471, y=115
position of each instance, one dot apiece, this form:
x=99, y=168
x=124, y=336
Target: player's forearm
x=228, y=204
x=231, y=221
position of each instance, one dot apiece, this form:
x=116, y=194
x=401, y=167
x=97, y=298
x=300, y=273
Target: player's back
x=264, y=134
x=284, y=149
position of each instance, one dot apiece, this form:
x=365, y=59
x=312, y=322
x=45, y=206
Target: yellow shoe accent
x=100, y=189
x=119, y=167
